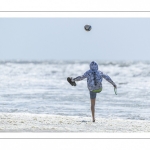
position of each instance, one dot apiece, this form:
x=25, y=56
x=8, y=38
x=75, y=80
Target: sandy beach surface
x=54, y=123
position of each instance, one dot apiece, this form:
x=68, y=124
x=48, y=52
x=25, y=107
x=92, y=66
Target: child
x=94, y=83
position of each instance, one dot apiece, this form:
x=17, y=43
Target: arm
x=79, y=78
x=106, y=77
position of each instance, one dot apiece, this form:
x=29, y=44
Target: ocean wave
x=41, y=87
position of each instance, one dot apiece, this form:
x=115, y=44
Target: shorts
x=92, y=95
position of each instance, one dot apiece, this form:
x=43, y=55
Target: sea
x=41, y=87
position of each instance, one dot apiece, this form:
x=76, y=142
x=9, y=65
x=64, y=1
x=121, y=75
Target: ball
x=87, y=27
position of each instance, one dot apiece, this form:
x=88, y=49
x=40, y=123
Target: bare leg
x=93, y=109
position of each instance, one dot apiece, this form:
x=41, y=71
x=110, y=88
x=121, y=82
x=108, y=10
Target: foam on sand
x=55, y=123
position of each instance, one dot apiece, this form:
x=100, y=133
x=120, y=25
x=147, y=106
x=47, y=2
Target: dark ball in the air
x=87, y=27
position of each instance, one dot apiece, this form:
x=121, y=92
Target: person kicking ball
x=94, y=83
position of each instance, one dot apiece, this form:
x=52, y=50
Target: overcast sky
x=66, y=39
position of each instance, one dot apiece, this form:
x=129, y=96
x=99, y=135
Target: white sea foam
x=41, y=88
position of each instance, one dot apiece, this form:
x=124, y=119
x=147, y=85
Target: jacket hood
x=93, y=66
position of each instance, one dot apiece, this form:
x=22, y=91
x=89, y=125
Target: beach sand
x=20, y=122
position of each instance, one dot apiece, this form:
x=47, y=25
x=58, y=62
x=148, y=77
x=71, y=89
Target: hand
x=72, y=79
x=115, y=86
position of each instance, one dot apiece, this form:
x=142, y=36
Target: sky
x=65, y=39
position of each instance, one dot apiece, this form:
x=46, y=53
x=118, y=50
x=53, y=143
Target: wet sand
x=16, y=122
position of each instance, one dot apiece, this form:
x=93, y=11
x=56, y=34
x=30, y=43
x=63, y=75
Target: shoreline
x=25, y=122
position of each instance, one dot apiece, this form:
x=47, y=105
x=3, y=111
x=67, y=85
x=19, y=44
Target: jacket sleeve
x=106, y=77
x=79, y=78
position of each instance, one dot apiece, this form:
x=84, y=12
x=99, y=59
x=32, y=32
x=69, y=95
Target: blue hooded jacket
x=94, y=77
